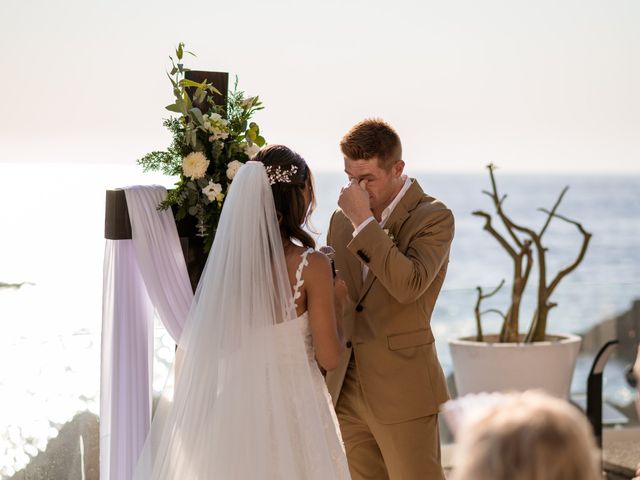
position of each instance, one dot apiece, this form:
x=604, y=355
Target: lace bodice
x=299, y=280
x=300, y=324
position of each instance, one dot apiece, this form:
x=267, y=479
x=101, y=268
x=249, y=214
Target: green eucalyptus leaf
x=185, y=82
x=193, y=210
x=173, y=82
x=187, y=103
x=260, y=141
x=180, y=103
x=180, y=50
x=213, y=89
x=200, y=95
x=173, y=108
x=196, y=114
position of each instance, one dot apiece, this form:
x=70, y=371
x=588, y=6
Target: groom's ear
x=398, y=167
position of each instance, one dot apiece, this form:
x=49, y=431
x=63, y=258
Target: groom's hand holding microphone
x=354, y=202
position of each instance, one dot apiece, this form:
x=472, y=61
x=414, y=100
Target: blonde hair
x=529, y=436
x=372, y=138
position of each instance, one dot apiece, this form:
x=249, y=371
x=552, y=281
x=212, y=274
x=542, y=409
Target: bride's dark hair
x=288, y=191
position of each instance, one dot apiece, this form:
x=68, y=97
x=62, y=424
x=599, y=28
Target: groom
x=392, y=248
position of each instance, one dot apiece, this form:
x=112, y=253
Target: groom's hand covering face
x=382, y=184
x=354, y=201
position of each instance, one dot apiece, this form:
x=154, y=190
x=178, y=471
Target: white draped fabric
x=140, y=275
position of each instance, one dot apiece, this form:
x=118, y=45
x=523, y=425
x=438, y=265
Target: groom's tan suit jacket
x=388, y=316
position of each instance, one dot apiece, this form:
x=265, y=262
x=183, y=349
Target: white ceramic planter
x=495, y=367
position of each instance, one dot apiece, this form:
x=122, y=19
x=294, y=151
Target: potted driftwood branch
x=503, y=361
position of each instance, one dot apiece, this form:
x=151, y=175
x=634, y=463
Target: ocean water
x=52, y=237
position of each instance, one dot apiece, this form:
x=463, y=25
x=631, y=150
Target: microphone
x=331, y=253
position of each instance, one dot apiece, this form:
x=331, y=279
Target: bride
x=249, y=400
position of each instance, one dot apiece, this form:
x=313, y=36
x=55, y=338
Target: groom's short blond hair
x=372, y=138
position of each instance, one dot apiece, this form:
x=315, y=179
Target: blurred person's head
x=528, y=436
x=636, y=373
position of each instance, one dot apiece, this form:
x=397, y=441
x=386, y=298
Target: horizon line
x=418, y=170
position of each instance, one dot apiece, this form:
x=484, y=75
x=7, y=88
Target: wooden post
x=117, y=225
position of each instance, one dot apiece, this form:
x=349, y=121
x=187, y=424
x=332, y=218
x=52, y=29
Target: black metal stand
x=594, y=389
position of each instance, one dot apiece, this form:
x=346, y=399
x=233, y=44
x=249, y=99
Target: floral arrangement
x=210, y=143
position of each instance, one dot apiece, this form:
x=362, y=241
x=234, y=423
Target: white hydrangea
x=251, y=150
x=213, y=191
x=217, y=126
x=232, y=168
x=195, y=165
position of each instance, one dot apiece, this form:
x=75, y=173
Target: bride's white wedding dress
x=249, y=401
x=302, y=406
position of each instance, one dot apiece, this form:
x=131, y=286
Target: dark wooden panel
x=220, y=80
x=117, y=225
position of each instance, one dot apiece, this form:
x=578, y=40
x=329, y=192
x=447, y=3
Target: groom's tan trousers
x=410, y=450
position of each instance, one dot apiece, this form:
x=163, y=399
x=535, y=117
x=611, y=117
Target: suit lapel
x=355, y=271
x=393, y=224
x=349, y=266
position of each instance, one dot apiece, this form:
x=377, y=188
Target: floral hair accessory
x=277, y=174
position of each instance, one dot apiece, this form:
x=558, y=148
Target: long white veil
x=234, y=410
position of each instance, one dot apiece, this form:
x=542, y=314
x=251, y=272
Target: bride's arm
x=321, y=305
x=340, y=292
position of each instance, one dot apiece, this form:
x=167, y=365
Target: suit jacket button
x=359, y=308
x=349, y=344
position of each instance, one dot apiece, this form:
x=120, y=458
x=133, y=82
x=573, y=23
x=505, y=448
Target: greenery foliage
x=211, y=139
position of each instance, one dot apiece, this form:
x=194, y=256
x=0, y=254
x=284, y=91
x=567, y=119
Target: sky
x=533, y=86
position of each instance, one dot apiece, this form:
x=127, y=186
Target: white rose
x=214, y=117
x=251, y=150
x=195, y=165
x=213, y=191
x=217, y=126
x=218, y=134
x=232, y=169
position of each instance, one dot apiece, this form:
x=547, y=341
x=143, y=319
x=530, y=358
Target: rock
x=63, y=458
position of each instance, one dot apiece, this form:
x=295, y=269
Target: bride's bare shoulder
x=319, y=264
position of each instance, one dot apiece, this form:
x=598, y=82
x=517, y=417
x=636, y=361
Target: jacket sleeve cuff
x=371, y=240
